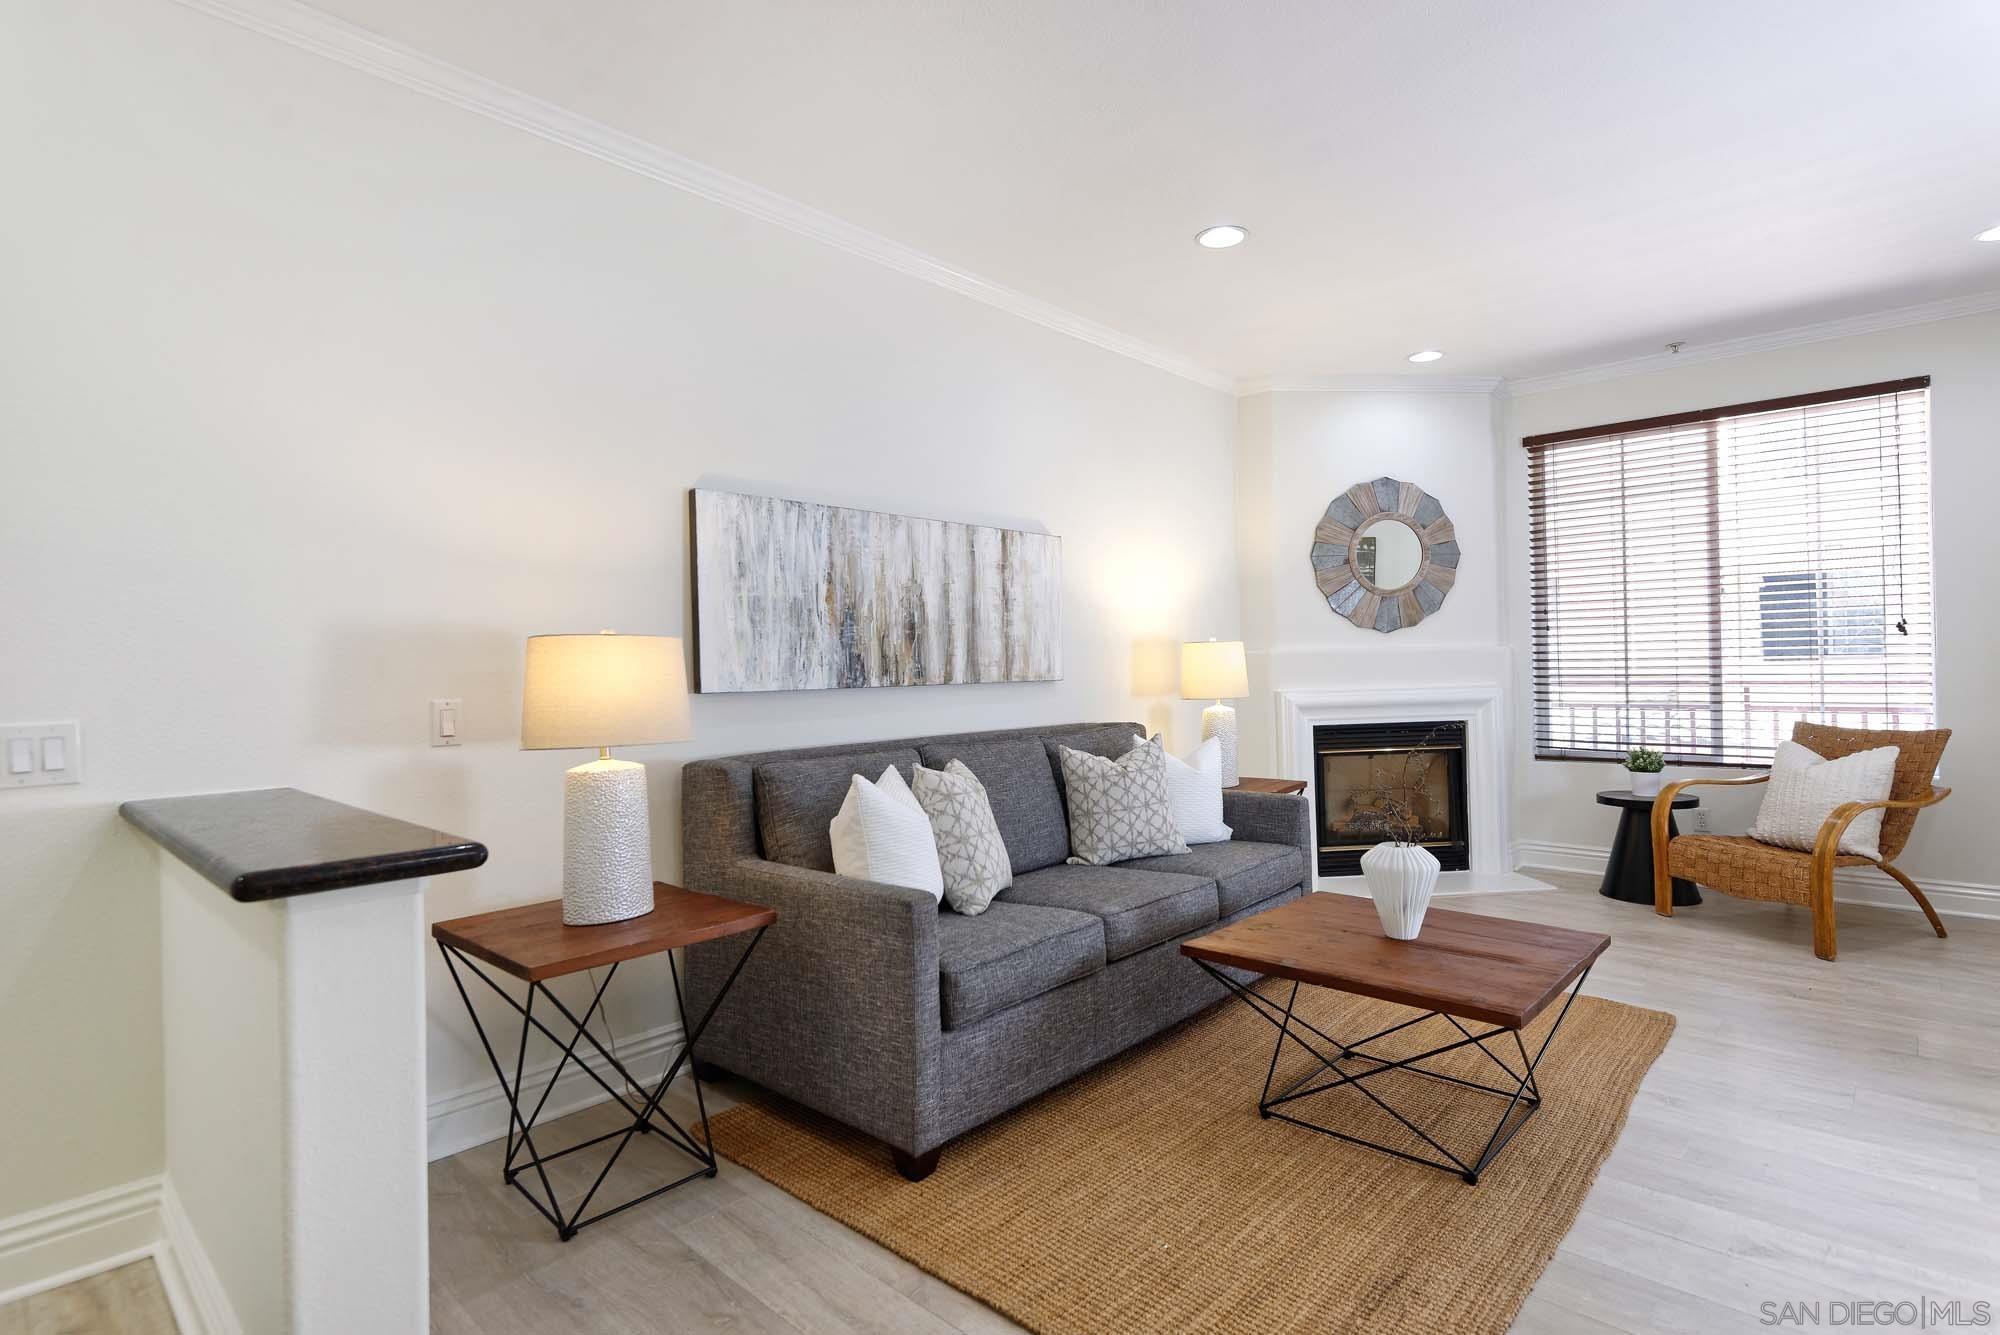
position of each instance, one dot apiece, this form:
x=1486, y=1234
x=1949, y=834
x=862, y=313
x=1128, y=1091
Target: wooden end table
x=533, y=944
x=1283, y=787
x=1628, y=872
x=1463, y=967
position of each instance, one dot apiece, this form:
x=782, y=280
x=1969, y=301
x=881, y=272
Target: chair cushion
x=1739, y=865
x=1243, y=872
x=1009, y=954
x=1021, y=791
x=1804, y=787
x=798, y=799
x=1918, y=751
x=1139, y=908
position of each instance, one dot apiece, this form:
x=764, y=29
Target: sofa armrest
x=1273, y=818
x=838, y=1006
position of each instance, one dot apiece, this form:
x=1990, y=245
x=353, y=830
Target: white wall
x=317, y=396
x=223, y=1020
x=1297, y=450
x=1958, y=842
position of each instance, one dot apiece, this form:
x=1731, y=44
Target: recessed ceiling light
x=1990, y=234
x=1427, y=355
x=1222, y=237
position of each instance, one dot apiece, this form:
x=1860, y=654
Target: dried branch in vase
x=1396, y=815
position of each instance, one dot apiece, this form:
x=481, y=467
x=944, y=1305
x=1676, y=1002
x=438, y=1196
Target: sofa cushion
x=798, y=799
x=1110, y=740
x=1021, y=791
x=1140, y=908
x=1244, y=872
x=1009, y=954
x=1120, y=809
x=971, y=853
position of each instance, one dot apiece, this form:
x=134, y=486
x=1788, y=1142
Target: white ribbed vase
x=1643, y=785
x=1401, y=877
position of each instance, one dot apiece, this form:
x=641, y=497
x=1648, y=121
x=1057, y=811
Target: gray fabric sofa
x=911, y=1022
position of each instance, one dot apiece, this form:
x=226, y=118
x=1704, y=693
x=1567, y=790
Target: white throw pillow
x=1805, y=787
x=1194, y=788
x=974, y=856
x=882, y=834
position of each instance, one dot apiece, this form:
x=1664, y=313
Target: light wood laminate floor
x=1814, y=1131
x=125, y=1301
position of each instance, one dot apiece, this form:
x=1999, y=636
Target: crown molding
x=1390, y=383
x=1951, y=308
x=336, y=39
x=348, y=44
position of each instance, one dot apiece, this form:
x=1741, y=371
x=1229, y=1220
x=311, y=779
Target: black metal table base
x=648, y=1117
x=1523, y=1095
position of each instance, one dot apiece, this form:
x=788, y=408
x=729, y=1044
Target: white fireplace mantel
x=1480, y=706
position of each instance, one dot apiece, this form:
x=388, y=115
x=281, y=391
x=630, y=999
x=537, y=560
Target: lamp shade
x=603, y=690
x=1213, y=670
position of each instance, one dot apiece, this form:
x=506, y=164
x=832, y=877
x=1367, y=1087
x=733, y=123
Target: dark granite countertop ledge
x=271, y=843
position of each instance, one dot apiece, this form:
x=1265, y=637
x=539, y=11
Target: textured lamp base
x=1219, y=720
x=607, y=844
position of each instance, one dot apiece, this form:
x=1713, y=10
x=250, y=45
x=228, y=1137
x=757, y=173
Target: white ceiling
x=1531, y=185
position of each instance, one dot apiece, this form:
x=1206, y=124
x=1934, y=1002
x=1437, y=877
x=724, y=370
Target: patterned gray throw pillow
x=970, y=850
x=1119, y=809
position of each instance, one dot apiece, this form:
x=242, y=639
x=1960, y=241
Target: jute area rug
x=1147, y=1195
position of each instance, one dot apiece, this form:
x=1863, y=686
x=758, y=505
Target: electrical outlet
x=1701, y=820
x=447, y=718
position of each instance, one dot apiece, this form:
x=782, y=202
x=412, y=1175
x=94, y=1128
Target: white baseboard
x=1450, y=884
x=74, y=1239
x=135, y=1221
x=477, y=1113
x=194, y=1290
x=1851, y=885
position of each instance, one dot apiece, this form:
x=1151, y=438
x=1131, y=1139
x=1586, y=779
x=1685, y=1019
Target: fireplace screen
x=1372, y=780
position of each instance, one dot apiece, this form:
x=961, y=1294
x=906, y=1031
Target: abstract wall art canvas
x=794, y=596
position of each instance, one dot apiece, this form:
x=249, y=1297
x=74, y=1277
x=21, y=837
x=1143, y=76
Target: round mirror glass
x=1387, y=554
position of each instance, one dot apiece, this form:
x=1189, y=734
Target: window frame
x=1696, y=417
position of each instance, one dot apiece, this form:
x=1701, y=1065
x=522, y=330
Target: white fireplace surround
x=1480, y=707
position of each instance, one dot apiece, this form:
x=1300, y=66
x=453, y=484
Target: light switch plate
x=447, y=722
x=37, y=735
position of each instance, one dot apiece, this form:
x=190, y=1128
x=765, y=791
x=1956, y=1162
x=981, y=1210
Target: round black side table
x=1629, y=873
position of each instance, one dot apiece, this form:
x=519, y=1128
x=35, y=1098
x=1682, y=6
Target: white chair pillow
x=882, y=834
x=1194, y=790
x=1805, y=787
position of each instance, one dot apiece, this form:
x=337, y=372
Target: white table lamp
x=1215, y=670
x=602, y=691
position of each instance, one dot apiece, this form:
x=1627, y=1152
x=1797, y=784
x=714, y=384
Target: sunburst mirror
x=1384, y=554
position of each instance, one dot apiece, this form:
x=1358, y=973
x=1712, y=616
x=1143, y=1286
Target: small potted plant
x=1644, y=766
x=1400, y=871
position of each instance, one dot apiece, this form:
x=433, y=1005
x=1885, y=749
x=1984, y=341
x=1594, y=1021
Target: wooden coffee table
x=1496, y=973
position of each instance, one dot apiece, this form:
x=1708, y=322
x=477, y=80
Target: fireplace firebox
x=1365, y=774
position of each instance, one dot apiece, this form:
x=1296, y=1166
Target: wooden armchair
x=1741, y=866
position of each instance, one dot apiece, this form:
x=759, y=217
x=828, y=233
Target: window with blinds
x=1703, y=581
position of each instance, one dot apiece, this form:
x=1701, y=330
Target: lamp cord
x=611, y=1037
